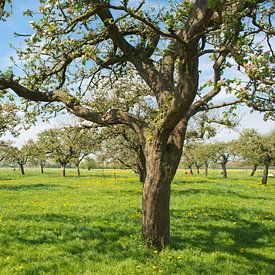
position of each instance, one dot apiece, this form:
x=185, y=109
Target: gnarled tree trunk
x=162, y=161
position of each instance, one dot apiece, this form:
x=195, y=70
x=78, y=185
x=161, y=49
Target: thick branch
x=72, y=104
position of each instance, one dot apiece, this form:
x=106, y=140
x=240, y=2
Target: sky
x=19, y=24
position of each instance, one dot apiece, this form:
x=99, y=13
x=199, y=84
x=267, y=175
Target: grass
x=92, y=224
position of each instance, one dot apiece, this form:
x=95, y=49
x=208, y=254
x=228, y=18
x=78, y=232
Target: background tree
x=59, y=144
x=37, y=154
x=79, y=43
x=203, y=155
x=258, y=149
x=83, y=142
x=188, y=156
x=89, y=163
x=120, y=145
x=221, y=154
x=18, y=156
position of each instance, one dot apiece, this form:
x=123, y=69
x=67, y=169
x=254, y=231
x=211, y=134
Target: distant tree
x=203, y=156
x=221, y=153
x=188, y=157
x=18, y=156
x=89, y=163
x=83, y=143
x=122, y=146
x=59, y=145
x=257, y=149
x=37, y=153
x=67, y=144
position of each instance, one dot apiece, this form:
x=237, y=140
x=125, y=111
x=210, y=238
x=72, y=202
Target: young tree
x=79, y=42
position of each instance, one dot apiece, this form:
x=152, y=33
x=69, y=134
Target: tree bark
x=78, y=169
x=253, y=170
x=42, y=168
x=265, y=173
x=224, y=172
x=62, y=172
x=141, y=168
x=22, y=169
x=142, y=175
x=161, y=166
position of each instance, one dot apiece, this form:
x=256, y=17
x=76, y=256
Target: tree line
x=74, y=144
x=252, y=147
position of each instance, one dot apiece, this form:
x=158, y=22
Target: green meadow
x=92, y=224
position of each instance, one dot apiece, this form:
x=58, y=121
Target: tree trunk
x=42, y=169
x=161, y=168
x=224, y=172
x=198, y=169
x=22, y=169
x=78, y=169
x=206, y=169
x=253, y=170
x=141, y=168
x=265, y=173
x=62, y=172
x=142, y=174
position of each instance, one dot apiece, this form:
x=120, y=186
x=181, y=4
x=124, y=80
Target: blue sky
x=18, y=23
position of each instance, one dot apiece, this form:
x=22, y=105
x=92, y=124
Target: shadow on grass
x=235, y=239
x=38, y=186
x=74, y=235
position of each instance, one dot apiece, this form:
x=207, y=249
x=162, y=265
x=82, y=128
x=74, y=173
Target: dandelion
x=242, y=250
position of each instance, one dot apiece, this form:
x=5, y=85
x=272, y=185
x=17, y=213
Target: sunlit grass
x=92, y=224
